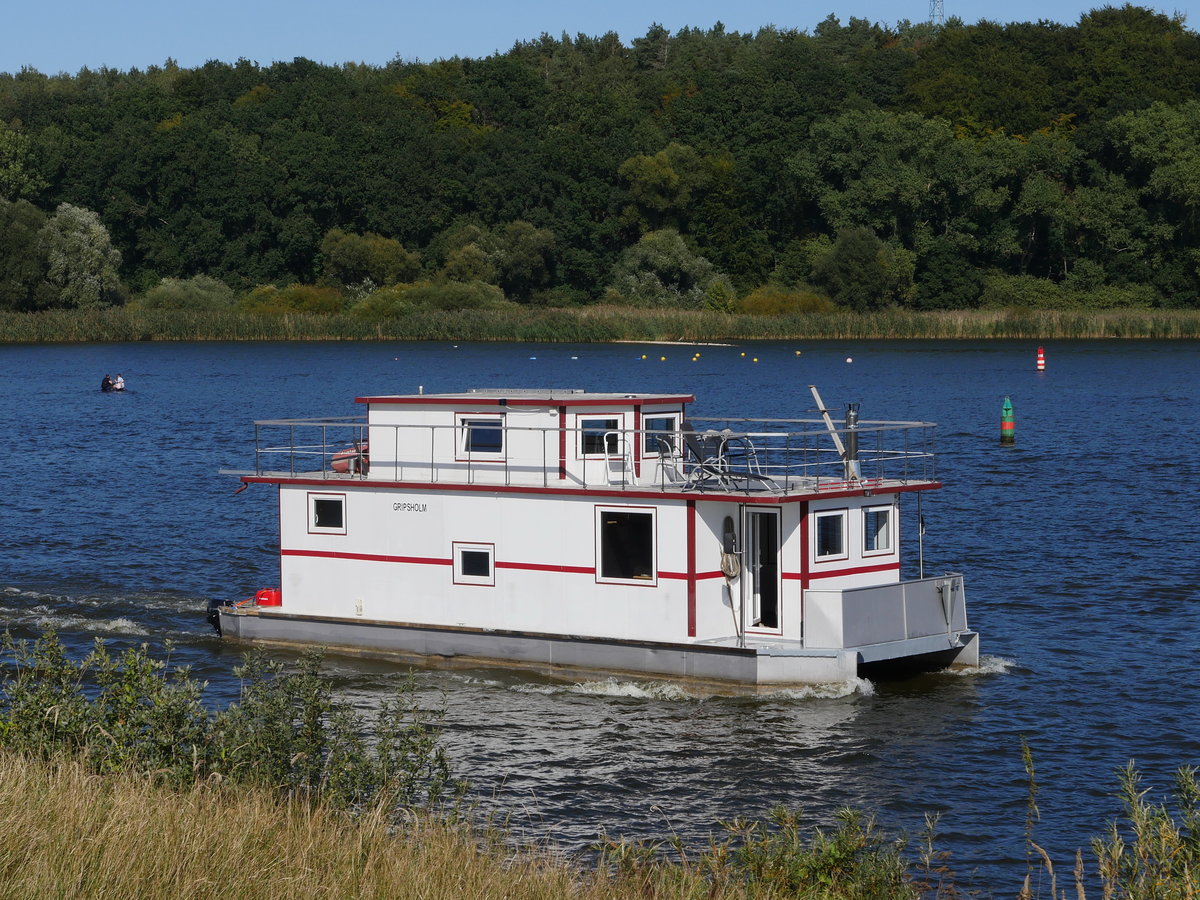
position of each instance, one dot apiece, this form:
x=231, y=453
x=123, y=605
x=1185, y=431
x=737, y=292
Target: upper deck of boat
x=573, y=440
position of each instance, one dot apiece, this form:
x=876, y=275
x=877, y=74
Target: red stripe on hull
x=858, y=570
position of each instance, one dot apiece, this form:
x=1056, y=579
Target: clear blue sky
x=66, y=35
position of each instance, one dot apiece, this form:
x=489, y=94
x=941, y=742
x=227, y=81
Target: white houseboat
x=578, y=533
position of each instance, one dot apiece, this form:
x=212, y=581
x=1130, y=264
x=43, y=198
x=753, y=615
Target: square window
x=598, y=437
x=474, y=563
x=481, y=436
x=326, y=513
x=877, y=531
x=625, y=549
x=659, y=437
x=831, y=534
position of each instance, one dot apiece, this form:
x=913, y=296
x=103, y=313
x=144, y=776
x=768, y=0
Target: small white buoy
x=797, y=352
x=849, y=359
x=534, y=357
x=574, y=357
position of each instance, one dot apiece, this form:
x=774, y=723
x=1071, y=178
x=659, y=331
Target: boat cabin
x=578, y=532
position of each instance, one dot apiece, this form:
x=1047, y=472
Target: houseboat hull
x=713, y=667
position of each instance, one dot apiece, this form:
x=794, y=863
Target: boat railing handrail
x=745, y=459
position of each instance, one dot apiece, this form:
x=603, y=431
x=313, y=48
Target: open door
x=761, y=581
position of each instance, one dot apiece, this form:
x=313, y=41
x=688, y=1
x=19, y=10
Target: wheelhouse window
x=625, y=545
x=481, y=436
x=326, y=513
x=474, y=563
x=599, y=437
x=831, y=534
x=659, y=437
x=877, y=529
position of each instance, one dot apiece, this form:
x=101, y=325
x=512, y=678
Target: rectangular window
x=599, y=437
x=659, y=437
x=625, y=541
x=481, y=436
x=831, y=534
x=474, y=563
x=877, y=529
x=326, y=513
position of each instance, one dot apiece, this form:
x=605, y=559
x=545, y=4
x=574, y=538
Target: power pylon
x=937, y=13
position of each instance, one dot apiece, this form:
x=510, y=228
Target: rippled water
x=1078, y=544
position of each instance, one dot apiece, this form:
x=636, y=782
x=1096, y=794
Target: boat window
x=592, y=436
x=481, y=435
x=877, y=532
x=326, y=513
x=659, y=438
x=831, y=534
x=625, y=545
x=473, y=564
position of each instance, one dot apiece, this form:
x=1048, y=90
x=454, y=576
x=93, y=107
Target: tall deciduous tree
x=22, y=262
x=19, y=177
x=81, y=263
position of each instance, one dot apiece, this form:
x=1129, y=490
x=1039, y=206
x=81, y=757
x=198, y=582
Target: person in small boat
x=119, y=382
x=107, y=384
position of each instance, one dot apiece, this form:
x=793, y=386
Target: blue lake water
x=1079, y=547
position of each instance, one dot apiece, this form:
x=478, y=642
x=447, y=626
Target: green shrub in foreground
x=132, y=713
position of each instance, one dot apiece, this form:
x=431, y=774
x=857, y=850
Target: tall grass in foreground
x=590, y=324
x=66, y=833
x=116, y=782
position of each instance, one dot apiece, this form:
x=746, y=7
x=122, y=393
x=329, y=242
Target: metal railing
x=732, y=455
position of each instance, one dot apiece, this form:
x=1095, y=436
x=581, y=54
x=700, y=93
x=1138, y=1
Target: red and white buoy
x=1041, y=360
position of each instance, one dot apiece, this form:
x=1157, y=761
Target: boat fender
x=731, y=564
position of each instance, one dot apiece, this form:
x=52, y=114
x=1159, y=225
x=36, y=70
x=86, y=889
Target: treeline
x=859, y=166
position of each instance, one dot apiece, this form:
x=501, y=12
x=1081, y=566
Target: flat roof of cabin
x=527, y=397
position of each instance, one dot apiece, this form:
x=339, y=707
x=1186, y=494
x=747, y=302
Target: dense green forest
x=782, y=172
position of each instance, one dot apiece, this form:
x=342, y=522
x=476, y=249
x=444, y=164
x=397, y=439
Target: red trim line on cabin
x=857, y=570
x=562, y=443
x=370, y=557
x=438, y=561
x=691, y=568
x=641, y=495
x=433, y=400
x=691, y=577
x=637, y=440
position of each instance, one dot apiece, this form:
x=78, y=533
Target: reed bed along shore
x=591, y=324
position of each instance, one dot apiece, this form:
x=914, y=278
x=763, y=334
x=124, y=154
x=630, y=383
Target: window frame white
x=311, y=508
x=888, y=531
x=462, y=435
x=600, y=511
x=458, y=548
x=580, y=428
x=843, y=516
x=648, y=433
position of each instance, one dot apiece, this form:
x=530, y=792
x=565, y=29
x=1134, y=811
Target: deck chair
x=711, y=465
